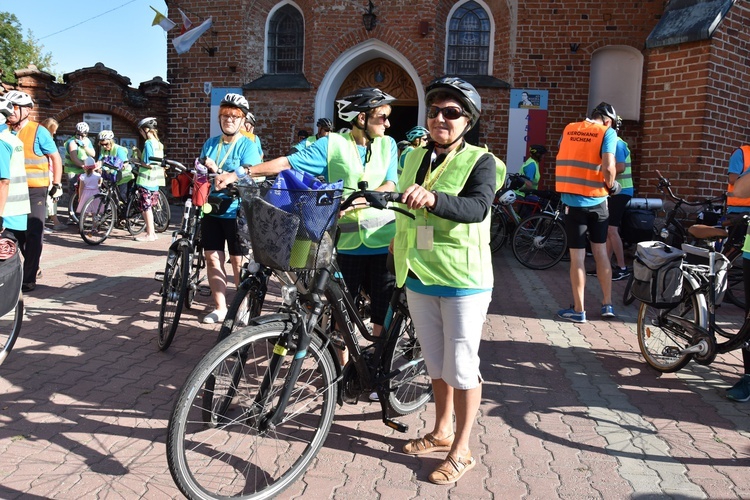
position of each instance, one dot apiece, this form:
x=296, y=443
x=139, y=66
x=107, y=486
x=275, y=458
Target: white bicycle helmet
x=236, y=101
x=6, y=107
x=249, y=117
x=362, y=100
x=507, y=198
x=19, y=98
x=82, y=128
x=106, y=135
x=148, y=122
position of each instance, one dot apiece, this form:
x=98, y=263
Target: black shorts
x=371, y=273
x=579, y=220
x=616, y=205
x=216, y=231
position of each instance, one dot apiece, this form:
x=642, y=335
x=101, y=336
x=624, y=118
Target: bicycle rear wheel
x=72, y=206
x=162, y=213
x=173, y=293
x=539, y=242
x=10, y=327
x=498, y=229
x=230, y=454
x=661, y=339
x=97, y=218
x=410, y=388
x=134, y=217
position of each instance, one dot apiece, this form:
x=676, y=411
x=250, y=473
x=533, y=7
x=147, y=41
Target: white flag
x=183, y=42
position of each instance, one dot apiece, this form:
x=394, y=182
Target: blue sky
x=121, y=38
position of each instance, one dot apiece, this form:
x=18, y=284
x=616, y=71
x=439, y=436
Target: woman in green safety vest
x=150, y=179
x=444, y=260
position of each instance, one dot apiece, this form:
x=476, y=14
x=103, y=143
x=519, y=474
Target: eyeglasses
x=233, y=118
x=449, y=112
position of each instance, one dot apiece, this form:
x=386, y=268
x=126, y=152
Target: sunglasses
x=449, y=112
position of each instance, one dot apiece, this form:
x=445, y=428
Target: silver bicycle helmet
x=604, y=110
x=507, y=198
x=106, y=135
x=82, y=128
x=148, y=122
x=325, y=123
x=6, y=107
x=19, y=98
x=249, y=117
x=236, y=101
x=462, y=90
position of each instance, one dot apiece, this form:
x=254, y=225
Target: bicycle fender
x=177, y=244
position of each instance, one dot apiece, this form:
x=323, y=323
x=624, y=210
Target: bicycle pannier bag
x=11, y=275
x=657, y=274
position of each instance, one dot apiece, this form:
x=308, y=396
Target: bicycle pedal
x=204, y=291
x=159, y=276
x=396, y=425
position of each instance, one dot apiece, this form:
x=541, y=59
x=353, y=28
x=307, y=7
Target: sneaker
x=28, y=287
x=48, y=230
x=608, y=311
x=374, y=397
x=215, y=316
x=741, y=390
x=620, y=273
x=591, y=273
x=59, y=227
x=39, y=273
x=571, y=315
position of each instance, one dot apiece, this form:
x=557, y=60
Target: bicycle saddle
x=702, y=232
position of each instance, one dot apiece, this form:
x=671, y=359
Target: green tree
x=17, y=52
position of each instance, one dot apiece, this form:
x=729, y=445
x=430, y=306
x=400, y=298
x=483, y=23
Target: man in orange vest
x=40, y=157
x=585, y=175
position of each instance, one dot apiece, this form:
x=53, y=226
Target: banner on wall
x=527, y=124
x=217, y=94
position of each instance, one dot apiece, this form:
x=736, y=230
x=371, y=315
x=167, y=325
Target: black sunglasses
x=449, y=112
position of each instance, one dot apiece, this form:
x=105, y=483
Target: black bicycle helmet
x=618, y=124
x=537, y=149
x=325, y=123
x=362, y=100
x=462, y=90
x=604, y=110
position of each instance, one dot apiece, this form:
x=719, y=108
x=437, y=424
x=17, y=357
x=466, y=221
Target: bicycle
x=255, y=411
x=673, y=232
x=11, y=303
x=539, y=241
x=183, y=275
x=101, y=214
x=670, y=337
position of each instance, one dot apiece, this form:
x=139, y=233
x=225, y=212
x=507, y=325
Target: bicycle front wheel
x=134, y=217
x=10, y=327
x=231, y=453
x=97, y=218
x=661, y=339
x=173, y=293
x=498, y=229
x=410, y=386
x=162, y=213
x=539, y=242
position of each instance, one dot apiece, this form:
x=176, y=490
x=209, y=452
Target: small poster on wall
x=527, y=124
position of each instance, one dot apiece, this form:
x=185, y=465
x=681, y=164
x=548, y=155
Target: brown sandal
x=451, y=470
x=428, y=444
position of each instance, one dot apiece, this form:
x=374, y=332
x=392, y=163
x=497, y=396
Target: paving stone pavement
x=568, y=411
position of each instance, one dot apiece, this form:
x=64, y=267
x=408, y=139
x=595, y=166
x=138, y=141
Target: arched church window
x=469, y=30
x=286, y=41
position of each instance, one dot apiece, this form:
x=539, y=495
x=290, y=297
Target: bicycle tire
x=162, y=213
x=97, y=219
x=249, y=297
x=539, y=241
x=135, y=223
x=660, y=346
x=735, y=293
x=411, y=389
x=173, y=293
x=627, y=297
x=10, y=328
x=235, y=459
x=72, y=206
x=498, y=229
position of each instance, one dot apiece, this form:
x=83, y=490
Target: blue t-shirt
x=229, y=158
x=44, y=144
x=609, y=145
x=529, y=170
x=314, y=160
x=620, y=156
x=736, y=165
x=15, y=222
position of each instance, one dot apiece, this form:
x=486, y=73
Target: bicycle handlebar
x=665, y=186
x=376, y=199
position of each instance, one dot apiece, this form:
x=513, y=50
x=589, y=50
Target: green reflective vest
x=370, y=227
x=460, y=256
x=68, y=166
x=625, y=178
x=18, y=191
x=153, y=177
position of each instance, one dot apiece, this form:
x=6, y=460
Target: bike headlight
x=664, y=233
x=288, y=294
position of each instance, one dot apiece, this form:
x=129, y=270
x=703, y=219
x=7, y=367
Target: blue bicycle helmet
x=416, y=133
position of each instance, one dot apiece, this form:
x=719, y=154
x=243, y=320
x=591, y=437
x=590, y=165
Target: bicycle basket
x=299, y=235
x=11, y=275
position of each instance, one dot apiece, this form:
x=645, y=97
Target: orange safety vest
x=736, y=201
x=579, y=160
x=37, y=167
